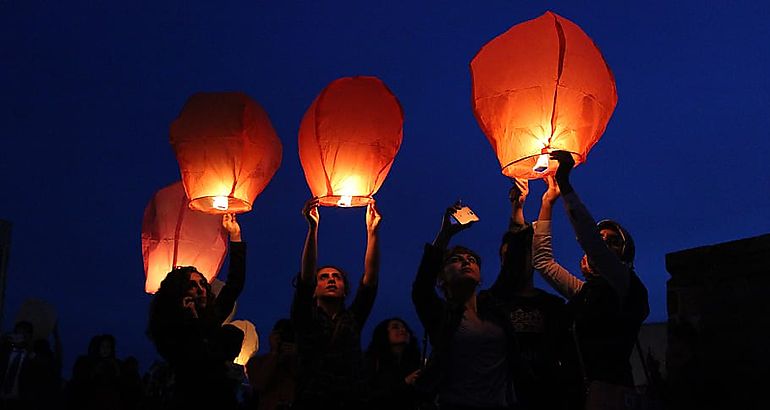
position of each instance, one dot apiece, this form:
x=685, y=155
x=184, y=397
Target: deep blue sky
x=88, y=90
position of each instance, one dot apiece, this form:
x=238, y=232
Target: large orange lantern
x=539, y=87
x=227, y=151
x=348, y=140
x=174, y=235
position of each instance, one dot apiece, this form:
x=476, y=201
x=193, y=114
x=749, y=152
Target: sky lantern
x=541, y=86
x=348, y=140
x=174, y=235
x=227, y=151
x=250, y=343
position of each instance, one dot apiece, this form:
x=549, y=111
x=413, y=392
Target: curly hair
x=166, y=305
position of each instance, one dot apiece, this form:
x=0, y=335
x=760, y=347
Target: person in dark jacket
x=186, y=328
x=547, y=377
x=610, y=305
x=29, y=377
x=474, y=346
x=273, y=376
x=392, y=363
x=328, y=332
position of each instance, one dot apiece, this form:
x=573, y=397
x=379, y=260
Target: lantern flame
x=542, y=164
x=345, y=201
x=350, y=186
x=220, y=202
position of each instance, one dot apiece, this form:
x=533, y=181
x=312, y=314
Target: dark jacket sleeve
x=236, y=277
x=363, y=303
x=429, y=306
x=611, y=268
x=516, y=265
x=302, y=305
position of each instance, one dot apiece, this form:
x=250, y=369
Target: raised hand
x=518, y=192
x=566, y=163
x=188, y=303
x=310, y=212
x=232, y=227
x=552, y=192
x=448, y=227
x=373, y=218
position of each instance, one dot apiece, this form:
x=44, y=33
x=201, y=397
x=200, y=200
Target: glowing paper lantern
x=348, y=140
x=539, y=87
x=174, y=235
x=227, y=151
x=250, y=341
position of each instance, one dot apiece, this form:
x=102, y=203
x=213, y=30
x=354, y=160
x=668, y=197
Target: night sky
x=88, y=91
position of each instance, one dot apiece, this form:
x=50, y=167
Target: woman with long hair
x=186, y=328
x=392, y=365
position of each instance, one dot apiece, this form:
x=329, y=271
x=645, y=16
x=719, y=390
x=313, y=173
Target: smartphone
x=464, y=216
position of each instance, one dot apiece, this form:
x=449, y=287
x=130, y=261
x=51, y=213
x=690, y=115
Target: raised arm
x=372, y=258
x=559, y=278
x=516, y=247
x=429, y=306
x=600, y=257
x=236, y=275
x=310, y=251
x=448, y=228
x=517, y=195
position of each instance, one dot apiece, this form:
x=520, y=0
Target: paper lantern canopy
x=227, y=151
x=250, y=341
x=348, y=140
x=174, y=235
x=539, y=87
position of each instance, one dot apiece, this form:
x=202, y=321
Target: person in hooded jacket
x=610, y=305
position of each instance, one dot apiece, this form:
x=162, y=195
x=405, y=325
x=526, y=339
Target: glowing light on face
x=220, y=202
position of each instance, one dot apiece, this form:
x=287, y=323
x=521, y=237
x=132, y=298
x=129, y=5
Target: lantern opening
x=219, y=205
x=345, y=201
x=542, y=163
x=220, y=202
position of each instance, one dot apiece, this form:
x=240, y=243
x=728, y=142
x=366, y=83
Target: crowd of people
x=511, y=346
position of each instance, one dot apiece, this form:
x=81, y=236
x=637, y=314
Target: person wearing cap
x=610, y=305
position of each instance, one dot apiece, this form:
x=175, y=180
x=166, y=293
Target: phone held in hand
x=464, y=215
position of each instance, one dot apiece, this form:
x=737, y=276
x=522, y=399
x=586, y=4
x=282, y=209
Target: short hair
x=344, y=275
x=460, y=250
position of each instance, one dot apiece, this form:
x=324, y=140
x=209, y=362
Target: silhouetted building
x=719, y=316
x=653, y=338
